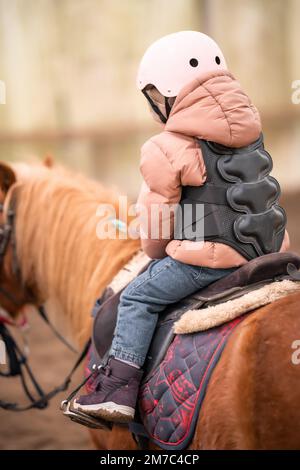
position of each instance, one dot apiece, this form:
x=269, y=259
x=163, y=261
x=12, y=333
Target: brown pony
x=253, y=399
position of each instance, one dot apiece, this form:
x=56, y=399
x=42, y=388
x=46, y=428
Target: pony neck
x=60, y=256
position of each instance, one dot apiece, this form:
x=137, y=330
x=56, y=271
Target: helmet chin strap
x=168, y=107
x=156, y=108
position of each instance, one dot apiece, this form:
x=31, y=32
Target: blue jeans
x=166, y=281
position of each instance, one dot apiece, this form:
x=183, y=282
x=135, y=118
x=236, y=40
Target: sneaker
x=115, y=396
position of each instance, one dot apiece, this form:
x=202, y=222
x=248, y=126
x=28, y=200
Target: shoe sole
x=109, y=411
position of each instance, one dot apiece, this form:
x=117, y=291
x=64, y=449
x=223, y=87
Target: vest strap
x=208, y=193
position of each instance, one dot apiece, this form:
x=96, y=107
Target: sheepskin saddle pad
x=183, y=355
x=258, y=282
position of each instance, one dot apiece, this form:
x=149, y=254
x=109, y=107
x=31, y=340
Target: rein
x=17, y=360
x=18, y=364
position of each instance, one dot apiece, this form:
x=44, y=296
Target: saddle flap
x=105, y=319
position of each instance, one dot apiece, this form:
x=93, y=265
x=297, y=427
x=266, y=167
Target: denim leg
x=166, y=281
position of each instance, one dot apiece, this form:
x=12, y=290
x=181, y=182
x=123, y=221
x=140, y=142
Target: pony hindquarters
x=252, y=401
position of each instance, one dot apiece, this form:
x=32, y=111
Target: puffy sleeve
x=164, y=175
x=160, y=193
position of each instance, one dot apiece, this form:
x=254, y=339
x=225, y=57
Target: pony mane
x=60, y=256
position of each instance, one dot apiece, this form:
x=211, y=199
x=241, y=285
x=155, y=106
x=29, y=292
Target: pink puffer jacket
x=212, y=107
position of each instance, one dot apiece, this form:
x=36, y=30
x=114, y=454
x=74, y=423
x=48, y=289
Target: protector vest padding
x=239, y=201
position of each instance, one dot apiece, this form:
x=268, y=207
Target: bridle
x=6, y=236
x=18, y=360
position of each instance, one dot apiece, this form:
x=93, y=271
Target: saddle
x=172, y=389
x=254, y=274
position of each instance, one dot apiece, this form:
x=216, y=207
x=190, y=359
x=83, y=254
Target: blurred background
x=69, y=68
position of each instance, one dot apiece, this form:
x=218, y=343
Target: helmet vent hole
x=218, y=60
x=194, y=62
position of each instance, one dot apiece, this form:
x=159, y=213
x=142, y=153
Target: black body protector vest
x=239, y=198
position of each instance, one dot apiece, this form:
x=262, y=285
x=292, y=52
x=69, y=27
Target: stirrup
x=79, y=416
x=84, y=419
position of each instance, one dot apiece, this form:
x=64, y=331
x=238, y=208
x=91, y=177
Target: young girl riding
x=210, y=152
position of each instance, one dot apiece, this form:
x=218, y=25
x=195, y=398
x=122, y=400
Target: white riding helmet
x=175, y=60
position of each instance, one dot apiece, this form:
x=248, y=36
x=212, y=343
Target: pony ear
x=7, y=177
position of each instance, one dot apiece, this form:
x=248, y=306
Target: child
x=206, y=117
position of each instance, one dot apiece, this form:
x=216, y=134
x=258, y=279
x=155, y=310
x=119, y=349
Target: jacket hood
x=214, y=107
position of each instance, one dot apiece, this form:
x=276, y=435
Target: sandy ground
x=49, y=429
x=42, y=429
